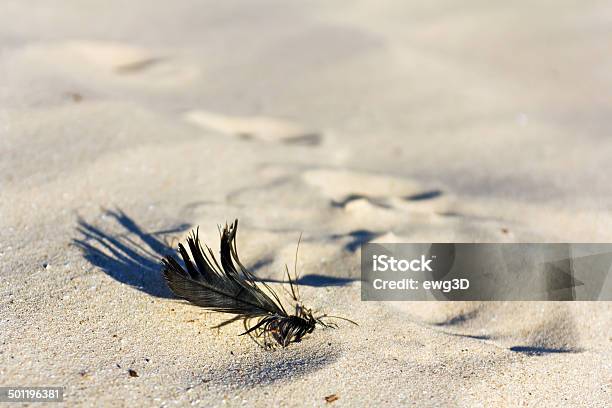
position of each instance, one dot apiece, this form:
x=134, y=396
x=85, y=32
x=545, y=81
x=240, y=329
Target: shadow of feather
x=133, y=257
x=540, y=351
x=317, y=280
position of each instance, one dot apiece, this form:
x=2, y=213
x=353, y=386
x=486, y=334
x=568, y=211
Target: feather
x=227, y=287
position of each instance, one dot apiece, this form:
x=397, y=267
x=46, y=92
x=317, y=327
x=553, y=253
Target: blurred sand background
x=123, y=124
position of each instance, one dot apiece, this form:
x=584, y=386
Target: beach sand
x=124, y=125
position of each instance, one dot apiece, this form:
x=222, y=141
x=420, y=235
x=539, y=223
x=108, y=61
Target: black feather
x=227, y=288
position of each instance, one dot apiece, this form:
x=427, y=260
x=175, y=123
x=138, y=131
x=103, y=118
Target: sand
x=123, y=125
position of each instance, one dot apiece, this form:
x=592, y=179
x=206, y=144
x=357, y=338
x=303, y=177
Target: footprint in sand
x=111, y=63
x=524, y=327
x=343, y=185
x=254, y=127
x=401, y=209
x=362, y=192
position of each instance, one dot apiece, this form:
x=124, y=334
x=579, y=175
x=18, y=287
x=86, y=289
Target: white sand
x=319, y=118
